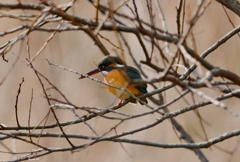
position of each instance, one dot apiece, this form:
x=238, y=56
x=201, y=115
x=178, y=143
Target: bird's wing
x=134, y=74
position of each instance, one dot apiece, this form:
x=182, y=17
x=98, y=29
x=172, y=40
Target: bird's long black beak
x=93, y=72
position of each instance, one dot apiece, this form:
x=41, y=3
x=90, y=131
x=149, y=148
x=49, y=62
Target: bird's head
x=107, y=64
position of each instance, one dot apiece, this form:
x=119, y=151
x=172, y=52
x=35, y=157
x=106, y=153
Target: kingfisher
x=121, y=77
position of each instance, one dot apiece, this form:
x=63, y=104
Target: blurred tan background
x=75, y=50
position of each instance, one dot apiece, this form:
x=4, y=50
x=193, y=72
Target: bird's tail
x=144, y=100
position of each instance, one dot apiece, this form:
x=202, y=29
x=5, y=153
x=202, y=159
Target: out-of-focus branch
x=233, y=5
x=205, y=144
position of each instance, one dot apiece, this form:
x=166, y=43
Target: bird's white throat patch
x=104, y=72
x=119, y=65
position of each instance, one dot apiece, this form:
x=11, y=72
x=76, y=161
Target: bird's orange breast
x=117, y=78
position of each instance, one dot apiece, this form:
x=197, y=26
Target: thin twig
x=16, y=103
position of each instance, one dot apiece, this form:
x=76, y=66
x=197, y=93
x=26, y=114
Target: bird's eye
x=102, y=67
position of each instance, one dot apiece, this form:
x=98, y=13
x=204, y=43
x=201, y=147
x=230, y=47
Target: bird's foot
x=119, y=103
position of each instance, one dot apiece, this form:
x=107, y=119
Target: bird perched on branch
x=121, y=78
